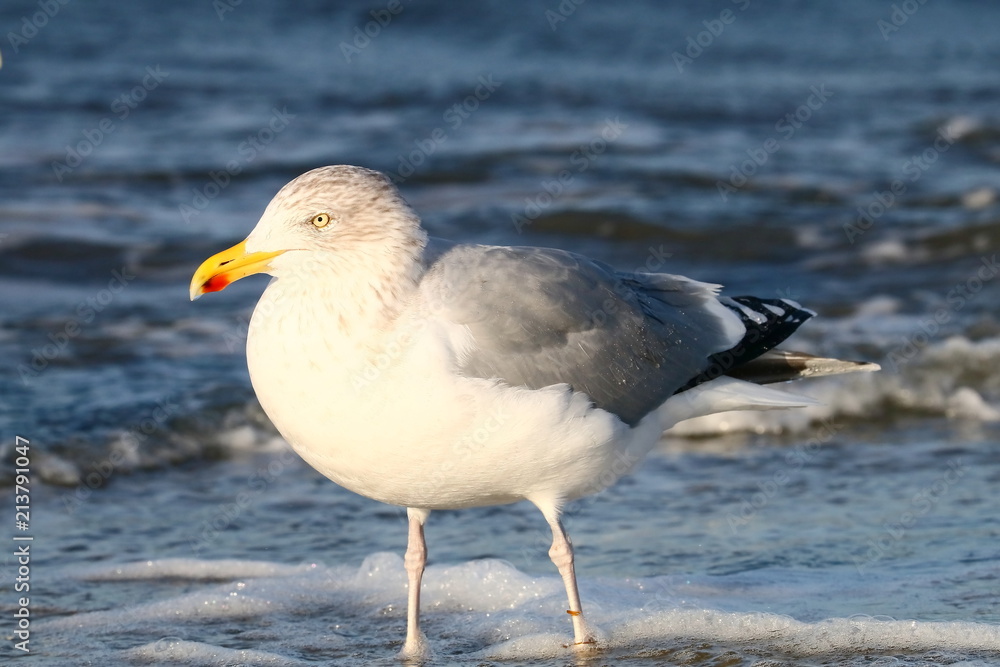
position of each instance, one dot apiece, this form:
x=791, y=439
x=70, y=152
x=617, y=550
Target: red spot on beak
x=216, y=283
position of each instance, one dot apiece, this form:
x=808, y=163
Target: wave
x=950, y=379
x=264, y=613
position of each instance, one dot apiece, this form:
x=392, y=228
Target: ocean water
x=841, y=154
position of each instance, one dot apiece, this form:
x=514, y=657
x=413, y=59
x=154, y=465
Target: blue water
x=810, y=151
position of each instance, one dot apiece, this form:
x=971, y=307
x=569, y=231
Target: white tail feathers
x=724, y=394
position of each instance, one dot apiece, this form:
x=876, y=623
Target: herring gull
x=436, y=375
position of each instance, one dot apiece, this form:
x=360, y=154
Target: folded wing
x=629, y=341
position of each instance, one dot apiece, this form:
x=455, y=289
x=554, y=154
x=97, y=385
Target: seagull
x=436, y=375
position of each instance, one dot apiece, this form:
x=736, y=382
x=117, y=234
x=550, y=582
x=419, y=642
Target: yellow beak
x=218, y=271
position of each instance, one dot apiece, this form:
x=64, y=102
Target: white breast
x=382, y=413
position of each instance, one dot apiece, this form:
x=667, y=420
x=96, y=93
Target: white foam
x=886, y=250
x=56, y=470
x=952, y=378
x=489, y=610
x=979, y=198
x=966, y=403
x=192, y=569
x=175, y=649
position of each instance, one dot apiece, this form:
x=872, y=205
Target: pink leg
x=561, y=554
x=415, y=560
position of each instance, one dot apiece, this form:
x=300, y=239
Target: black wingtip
x=768, y=322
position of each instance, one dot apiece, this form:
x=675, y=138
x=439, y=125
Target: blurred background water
x=841, y=154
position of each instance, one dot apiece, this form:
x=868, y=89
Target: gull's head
x=330, y=211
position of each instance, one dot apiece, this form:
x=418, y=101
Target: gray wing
x=541, y=317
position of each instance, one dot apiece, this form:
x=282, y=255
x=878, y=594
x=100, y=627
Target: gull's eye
x=321, y=220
